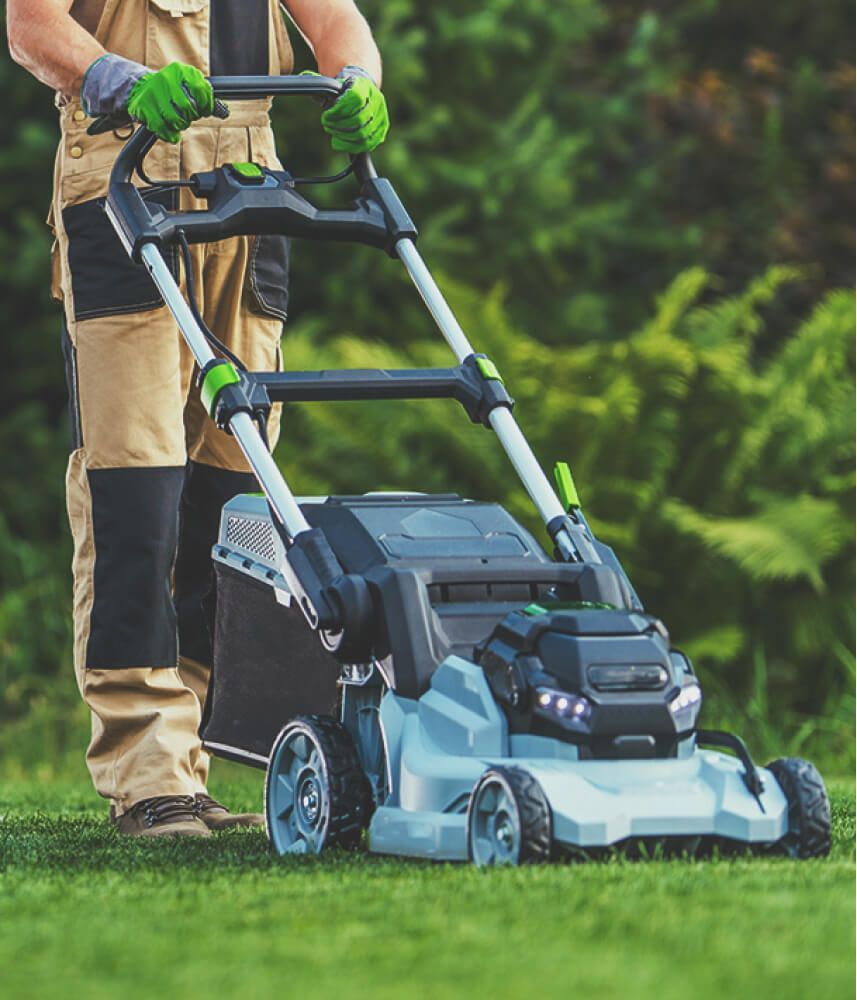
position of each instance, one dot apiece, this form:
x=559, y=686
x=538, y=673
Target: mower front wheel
x=508, y=819
x=809, y=833
x=316, y=793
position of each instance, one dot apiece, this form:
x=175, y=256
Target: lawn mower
x=416, y=672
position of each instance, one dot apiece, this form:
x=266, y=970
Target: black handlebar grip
x=107, y=123
x=300, y=85
x=121, y=119
x=364, y=168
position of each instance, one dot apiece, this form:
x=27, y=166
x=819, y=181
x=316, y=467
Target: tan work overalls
x=149, y=471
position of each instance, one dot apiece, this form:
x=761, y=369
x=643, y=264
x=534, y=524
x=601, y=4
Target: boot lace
x=203, y=803
x=165, y=809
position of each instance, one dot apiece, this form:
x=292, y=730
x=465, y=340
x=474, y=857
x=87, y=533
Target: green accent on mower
x=488, y=369
x=565, y=484
x=534, y=609
x=541, y=609
x=216, y=378
x=248, y=171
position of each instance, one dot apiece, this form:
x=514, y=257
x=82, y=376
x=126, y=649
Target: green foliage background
x=642, y=212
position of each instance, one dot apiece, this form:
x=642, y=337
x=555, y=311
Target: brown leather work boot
x=161, y=816
x=218, y=817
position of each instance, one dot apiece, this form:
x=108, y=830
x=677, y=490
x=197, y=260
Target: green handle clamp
x=487, y=369
x=214, y=379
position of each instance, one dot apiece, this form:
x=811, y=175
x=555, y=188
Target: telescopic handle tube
x=505, y=426
x=434, y=300
x=245, y=432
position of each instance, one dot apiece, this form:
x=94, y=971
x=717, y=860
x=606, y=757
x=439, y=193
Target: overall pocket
x=267, y=284
x=177, y=31
x=104, y=279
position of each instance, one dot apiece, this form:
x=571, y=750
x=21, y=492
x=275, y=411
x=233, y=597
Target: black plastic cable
x=332, y=179
x=260, y=417
x=159, y=186
x=215, y=343
x=146, y=179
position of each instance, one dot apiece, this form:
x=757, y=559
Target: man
x=148, y=472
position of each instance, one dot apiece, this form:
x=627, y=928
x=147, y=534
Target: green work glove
x=357, y=121
x=167, y=101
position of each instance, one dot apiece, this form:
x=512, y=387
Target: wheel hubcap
x=297, y=802
x=504, y=832
x=309, y=799
x=496, y=829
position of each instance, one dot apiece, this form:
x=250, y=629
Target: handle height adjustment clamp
x=489, y=392
x=398, y=223
x=225, y=392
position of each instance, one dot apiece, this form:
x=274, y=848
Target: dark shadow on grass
x=43, y=842
x=83, y=842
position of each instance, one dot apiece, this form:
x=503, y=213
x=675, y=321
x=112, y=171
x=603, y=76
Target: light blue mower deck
x=437, y=748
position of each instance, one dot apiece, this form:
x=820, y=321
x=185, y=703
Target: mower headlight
x=562, y=705
x=685, y=706
x=688, y=696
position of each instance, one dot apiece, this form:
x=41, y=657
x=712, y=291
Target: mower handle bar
x=572, y=539
x=244, y=88
x=295, y=85
x=236, y=88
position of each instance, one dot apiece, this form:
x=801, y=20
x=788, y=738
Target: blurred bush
x=564, y=161
x=723, y=475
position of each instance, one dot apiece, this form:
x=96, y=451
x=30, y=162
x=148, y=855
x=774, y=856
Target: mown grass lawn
x=84, y=913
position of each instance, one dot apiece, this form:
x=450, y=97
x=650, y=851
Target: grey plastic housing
x=439, y=746
x=443, y=571
x=425, y=752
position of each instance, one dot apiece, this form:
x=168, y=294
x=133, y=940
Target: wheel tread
x=349, y=793
x=533, y=809
x=809, y=833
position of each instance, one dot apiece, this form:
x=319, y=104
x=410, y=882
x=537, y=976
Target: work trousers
x=148, y=470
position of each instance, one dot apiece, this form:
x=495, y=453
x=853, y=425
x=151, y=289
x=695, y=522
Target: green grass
x=84, y=913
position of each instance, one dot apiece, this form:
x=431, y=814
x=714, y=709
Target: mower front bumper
x=597, y=803
x=437, y=749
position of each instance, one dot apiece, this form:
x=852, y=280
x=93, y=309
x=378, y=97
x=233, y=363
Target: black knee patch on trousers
x=206, y=490
x=135, y=532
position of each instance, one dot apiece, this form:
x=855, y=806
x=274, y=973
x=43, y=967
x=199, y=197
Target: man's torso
x=220, y=37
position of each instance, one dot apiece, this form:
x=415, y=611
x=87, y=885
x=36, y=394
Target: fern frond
x=790, y=539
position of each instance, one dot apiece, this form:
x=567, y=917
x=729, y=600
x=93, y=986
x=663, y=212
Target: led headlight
x=688, y=697
x=563, y=705
x=685, y=706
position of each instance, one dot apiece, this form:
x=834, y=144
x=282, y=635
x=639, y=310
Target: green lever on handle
x=565, y=484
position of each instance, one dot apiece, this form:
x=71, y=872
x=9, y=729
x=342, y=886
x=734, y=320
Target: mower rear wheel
x=809, y=808
x=508, y=819
x=316, y=793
